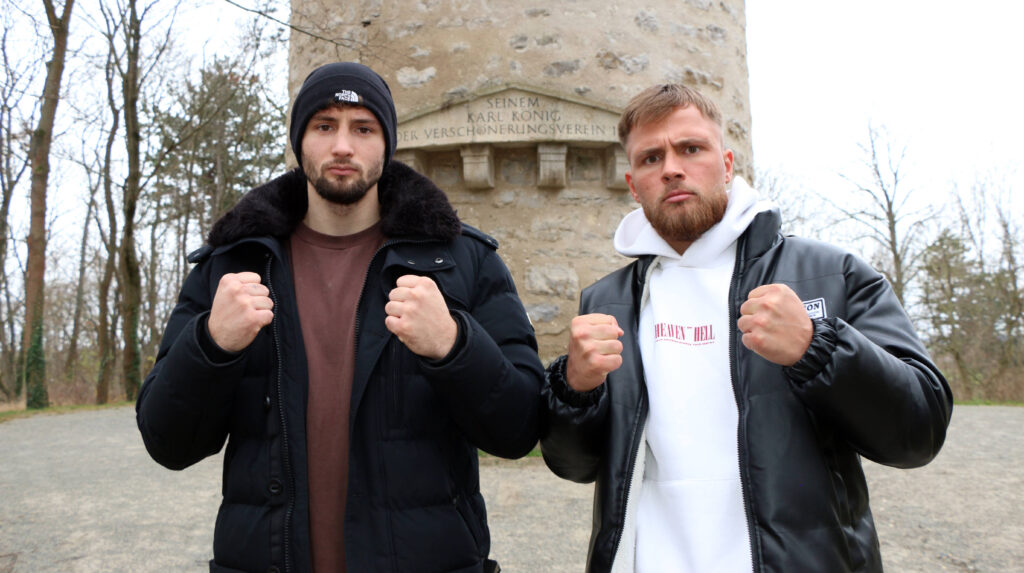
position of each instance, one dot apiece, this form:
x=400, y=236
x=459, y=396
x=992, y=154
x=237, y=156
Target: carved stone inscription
x=509, y=116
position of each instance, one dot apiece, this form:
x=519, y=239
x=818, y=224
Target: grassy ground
x=986, y=403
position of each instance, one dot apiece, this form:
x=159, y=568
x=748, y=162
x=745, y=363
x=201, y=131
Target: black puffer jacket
x=865, y=387
x=414, y=502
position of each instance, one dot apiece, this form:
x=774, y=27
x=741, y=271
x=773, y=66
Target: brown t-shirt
x=328, y=273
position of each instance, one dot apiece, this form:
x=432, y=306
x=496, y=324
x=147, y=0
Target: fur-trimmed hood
x=410, y=206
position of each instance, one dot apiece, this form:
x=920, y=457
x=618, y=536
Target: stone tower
x=511, y=108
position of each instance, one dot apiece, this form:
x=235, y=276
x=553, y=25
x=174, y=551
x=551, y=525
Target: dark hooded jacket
x=865, y=387
x=414, y=500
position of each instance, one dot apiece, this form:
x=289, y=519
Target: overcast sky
x=943, y=77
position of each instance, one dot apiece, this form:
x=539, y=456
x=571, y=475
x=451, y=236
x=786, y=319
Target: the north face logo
x=815, y=308
x=346, y=96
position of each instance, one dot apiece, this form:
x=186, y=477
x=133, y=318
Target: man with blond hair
x=722, y=388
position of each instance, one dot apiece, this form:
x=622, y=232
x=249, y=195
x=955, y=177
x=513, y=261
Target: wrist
x=455, y=339
x=558, y=379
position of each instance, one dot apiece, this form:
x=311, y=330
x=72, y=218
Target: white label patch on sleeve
x=815, y=308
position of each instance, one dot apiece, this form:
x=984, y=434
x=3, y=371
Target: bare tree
x=800, y=208
x=132, y=67
x=107, y=316
x=886, y=215
x=71, y=355
x=14, y=137
x=33, y=361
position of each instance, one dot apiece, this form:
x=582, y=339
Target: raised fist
x=594, y=351
x=241, y=307
x=775, y=324
x=419, y=317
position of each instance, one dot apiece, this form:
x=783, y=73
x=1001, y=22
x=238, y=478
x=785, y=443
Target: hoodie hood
x=636, y=237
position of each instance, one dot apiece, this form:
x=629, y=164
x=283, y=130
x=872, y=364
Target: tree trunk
x=71, y=361
x=34, y=362
x=130, y=278
x=106, y=335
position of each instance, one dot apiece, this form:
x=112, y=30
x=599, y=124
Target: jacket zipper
x=637, y=433
x=734, y=374
x=633, y=454
x=358, y=323
x=284, y=425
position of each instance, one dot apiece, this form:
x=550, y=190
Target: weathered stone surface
x=551, y=159
x=410, y=77
x=557, y=280
x=629, y=64
x=543, y=312
x=562, y=68
x=519, y=43
x=478, y=166
x=646, y=21
x=519, y=169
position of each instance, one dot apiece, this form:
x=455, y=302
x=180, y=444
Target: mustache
x=680, y=186
x=340, y=163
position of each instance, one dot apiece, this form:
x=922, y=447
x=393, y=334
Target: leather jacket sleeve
x=869, y=376
x=575, y=426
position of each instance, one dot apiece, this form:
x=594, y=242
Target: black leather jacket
x=414, y=500
x=865, y=387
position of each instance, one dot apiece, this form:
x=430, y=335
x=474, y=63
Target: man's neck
x=337, y=220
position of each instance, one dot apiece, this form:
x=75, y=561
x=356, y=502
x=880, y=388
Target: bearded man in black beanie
x=354, y=344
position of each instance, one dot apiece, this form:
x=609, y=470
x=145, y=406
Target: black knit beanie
x=344, y=82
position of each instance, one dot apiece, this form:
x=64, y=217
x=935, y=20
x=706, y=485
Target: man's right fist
x=241, y=307
x=594, y=351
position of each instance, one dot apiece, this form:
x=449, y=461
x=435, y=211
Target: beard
x=343, y=191
x=688, y=221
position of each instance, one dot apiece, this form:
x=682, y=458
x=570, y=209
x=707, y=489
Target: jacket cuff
x=818, y=354
x=460, y=342
x=555, y=375
x=214, y=354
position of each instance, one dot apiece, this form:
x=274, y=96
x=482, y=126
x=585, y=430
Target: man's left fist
x=419, y=317
x=775, y=324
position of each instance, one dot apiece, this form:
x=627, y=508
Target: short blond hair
x=656, y=102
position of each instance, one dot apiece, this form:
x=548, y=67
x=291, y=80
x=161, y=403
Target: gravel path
x=81, y=494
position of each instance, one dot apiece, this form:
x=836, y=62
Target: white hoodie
x=689, y=511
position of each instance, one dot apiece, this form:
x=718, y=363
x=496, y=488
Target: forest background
x=122, y=140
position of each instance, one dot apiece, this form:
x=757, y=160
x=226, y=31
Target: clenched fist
x=419, y=317
x=241, y=307
x=594, y=351
x=775, y=324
